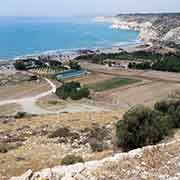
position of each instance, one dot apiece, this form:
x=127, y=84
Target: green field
x=112, y=83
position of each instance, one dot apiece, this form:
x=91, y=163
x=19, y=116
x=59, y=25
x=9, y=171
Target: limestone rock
x=26, y=176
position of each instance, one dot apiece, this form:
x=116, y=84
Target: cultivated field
x=147, y=94
x=154, y=86
x=93, y=78
x=111, y=84
x=47, y=70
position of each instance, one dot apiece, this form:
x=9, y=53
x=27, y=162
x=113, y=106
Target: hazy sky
x=89, y=7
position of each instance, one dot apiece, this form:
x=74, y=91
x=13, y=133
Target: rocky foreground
x=152, y=162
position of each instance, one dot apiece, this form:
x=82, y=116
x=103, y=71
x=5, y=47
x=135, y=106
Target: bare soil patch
x=23, y=89
x=9, y=109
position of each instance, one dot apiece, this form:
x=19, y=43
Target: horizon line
x=98, y=14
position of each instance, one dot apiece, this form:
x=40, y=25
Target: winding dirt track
x=29, y=103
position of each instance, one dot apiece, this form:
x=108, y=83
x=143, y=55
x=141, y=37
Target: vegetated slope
x=150, y=162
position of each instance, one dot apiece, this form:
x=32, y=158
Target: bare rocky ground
x=42, y=141
x=160, y=162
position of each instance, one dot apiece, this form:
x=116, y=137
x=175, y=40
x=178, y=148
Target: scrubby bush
x=72, y=90
x=20, y=115
x=20, y=66
x=60, y=132
x=142, y=126
x=3, y=148
x=96, y=145
x=170, y=108
x=71, y=159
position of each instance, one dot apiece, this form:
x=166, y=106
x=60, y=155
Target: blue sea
x=29, y=35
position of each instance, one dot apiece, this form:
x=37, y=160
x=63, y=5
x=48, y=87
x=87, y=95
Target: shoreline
x=76, y=51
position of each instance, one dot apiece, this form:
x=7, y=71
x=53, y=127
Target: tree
x=72, y=90
x=170, y=108
x=74, y=65
x=20, y=66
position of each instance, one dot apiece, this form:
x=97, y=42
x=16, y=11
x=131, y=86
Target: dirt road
x=29, y=103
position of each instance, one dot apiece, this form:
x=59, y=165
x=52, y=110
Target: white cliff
x=151, y=29
x=173, y=36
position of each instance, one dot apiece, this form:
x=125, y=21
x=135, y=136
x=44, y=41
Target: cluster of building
x=6, y=66
x=116, y=64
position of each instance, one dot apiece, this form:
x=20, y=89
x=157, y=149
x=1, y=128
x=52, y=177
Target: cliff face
x=173, y=36
x=153, y=28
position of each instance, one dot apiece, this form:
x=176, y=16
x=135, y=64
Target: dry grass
x=23, y=89
x=74, y=120
x=9, y=109
x=40, y=152
x=51, y=103
x=147, y=94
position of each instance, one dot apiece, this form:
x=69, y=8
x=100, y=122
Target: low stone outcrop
x=136, y=164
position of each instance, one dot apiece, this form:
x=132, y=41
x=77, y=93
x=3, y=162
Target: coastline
x=90, y=35
x=71, y=53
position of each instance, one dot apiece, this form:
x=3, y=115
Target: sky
x=84, y=7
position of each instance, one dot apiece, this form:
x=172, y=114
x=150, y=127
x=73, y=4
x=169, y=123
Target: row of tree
x=145, y=60
x=171, y=64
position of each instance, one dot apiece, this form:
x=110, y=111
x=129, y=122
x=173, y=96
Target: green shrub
x=142, y=126
x=3, y=148
x=74, y=65
x=72, y=90
x=170, y=108
x=164, y=105
x=20, y=115
x=20, y=66
x=71, y=159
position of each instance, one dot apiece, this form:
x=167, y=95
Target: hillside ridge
x=140, y=163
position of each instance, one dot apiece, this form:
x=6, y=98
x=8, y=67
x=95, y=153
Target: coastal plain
x=28, y=138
